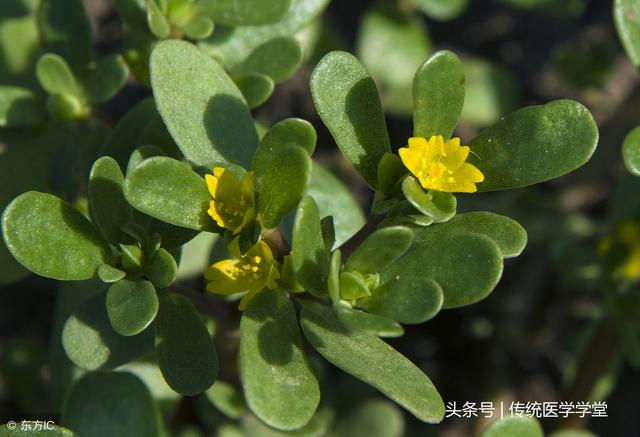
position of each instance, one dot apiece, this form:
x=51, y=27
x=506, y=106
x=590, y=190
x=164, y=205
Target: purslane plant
x=344, y=295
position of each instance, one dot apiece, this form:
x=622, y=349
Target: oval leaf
x=392, y=43
x=359, y=321
x=626, y=15
x=54, y=431
x=347, y=101
x=110, y=404
x=439, y=206
x=438, y=95
x=246, y=12
x=55, y=75
x=534, y=144
x=335, y=199
x=373, y=361
x=19, y=107
x=279, y=384
x=162, y=269
x=467, y=267
x=407, y=300
x=286, y=132
x=109, y=208
x=184, y=348
x=52, y=239
x=507, y=233
x=283, y=184
x=201, y=106
x=441, y=9
x=522, y=426
x=106, y=77
x=256, y=88
x=91, y=342
x=308, y=254
x=131, y=306
x=278, y=58
x=234, y=45
x=169, y=191
x=381, y=249
x=631, y=151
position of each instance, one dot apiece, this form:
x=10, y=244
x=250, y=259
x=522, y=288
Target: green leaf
x=392, y=44
x=201, y=106
x=335, y=199
x=141, y=154
x=359, y=321
x=109, y=209
x=279, y=384
x=255, y=88
x=352, y=286
x=91, y=343
x=131, y=306
x=626, y=16
x=65, y=107
x=491, y=92
x=107, y=404
x=310, y=260
x=65, y=30
x=522, y=426
x=333, y=279
x=157, y=20
x=407, y=300
x=390, y=171
x=508, y=234
x=573, y=433
x=55, y=431
x=290, y=131
x=246, y=12
x=55, y=75
x=373, y=418
x=19, y=45
x=438, y=205
x=109, y=274
x=107, y=76
x=52, y=239
x=534, y=144
x=227, y=399
x=283, y=183
x=631, y=151
x=232, y=45
x=278, y=58
x=123, y=138
x=169, y=191
x=466, y=266
x=319, y=425
x=347, y=101
x=162, y=270
x=438, y=95
x=441, y=9
x=199, y=27
x=185, y=351
x=373, y=361
x=381, y=249
x=19, y=107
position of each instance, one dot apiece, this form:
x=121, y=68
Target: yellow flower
x=441, y=165
x=233, y=205
x=628, y=233
x=632, y=266
x=251, y=272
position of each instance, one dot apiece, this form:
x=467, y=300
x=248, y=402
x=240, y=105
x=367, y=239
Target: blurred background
x=542, y=335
